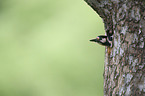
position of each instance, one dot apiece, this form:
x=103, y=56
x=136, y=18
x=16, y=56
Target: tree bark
x=124, y=72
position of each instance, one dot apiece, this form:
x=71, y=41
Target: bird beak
x=93, y=40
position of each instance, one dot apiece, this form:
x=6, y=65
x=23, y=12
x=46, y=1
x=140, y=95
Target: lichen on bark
x=124, y=72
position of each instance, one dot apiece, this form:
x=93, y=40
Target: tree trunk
x=124, y=73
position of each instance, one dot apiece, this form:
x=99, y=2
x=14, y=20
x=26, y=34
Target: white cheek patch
x=103, y=40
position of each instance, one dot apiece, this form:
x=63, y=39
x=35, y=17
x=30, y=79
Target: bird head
x=102, y=39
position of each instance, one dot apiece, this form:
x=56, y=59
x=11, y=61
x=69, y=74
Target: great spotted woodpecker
x=101, y=40
x=105, y=41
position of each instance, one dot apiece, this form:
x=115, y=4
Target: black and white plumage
x=103, y=40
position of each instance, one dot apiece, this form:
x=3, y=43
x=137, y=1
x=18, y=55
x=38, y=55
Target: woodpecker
x=105, y=41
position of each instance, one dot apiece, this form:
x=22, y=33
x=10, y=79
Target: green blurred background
x=45, y=48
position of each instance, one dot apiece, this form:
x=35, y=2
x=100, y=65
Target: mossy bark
x=124, y=73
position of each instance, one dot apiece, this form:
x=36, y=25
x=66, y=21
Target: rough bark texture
x=125, y=67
